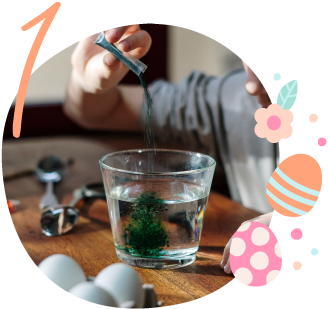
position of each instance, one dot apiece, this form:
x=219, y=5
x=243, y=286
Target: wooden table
x=90, y=243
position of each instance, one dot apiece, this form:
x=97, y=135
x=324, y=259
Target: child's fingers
x=225, y=264
x=227, y=268
x=115, y=34
x=226, y=254
x=111, y=61
x=139, y=43
x=130, y=39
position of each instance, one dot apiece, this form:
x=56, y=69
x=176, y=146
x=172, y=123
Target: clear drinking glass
x=157, y=203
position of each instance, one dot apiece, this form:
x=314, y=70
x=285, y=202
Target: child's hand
x=225, y=264
x=96, y=70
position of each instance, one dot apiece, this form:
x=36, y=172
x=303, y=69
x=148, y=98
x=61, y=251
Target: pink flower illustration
x=273, y=123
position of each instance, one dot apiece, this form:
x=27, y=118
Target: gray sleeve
x=216, y=116
x=183, y=112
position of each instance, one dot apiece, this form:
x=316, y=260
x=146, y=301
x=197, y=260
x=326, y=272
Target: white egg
x=95, y=294
x=123, y=283
x=62, y=270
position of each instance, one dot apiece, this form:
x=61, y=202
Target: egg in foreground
x=62, y=270
x=123, y=283
x=92, y=293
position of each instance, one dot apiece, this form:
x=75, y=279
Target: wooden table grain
x=90, y=243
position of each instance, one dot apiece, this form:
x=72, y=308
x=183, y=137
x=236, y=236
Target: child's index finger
x=115, y=34
x=111, y=36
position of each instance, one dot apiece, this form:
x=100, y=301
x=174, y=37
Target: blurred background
x=48, y=83
x=175, y=52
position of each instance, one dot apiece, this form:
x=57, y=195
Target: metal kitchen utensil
x=49, y=170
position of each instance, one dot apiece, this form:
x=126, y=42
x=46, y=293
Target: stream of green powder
x=145, y=233
x=148, y=105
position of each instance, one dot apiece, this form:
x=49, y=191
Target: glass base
x=160, y=263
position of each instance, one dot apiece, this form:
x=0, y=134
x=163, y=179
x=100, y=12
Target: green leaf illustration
x=287, y=95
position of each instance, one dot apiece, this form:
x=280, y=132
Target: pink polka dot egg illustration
x=255, y=256
x=294, y=187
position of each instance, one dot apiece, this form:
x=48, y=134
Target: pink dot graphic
x=255, y=255
x=322, y=141
x=296, y=234
x=273, y=122
x=297, y=265
x=313, y=118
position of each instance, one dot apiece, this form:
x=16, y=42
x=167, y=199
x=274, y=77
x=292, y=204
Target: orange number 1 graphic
x=47, y=17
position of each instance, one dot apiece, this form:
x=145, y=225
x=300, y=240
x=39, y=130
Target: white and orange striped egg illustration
x=293, y=188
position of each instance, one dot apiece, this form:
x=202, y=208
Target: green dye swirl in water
x=146, y=234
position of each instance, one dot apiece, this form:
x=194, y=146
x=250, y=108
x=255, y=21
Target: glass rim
x=102, y=164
